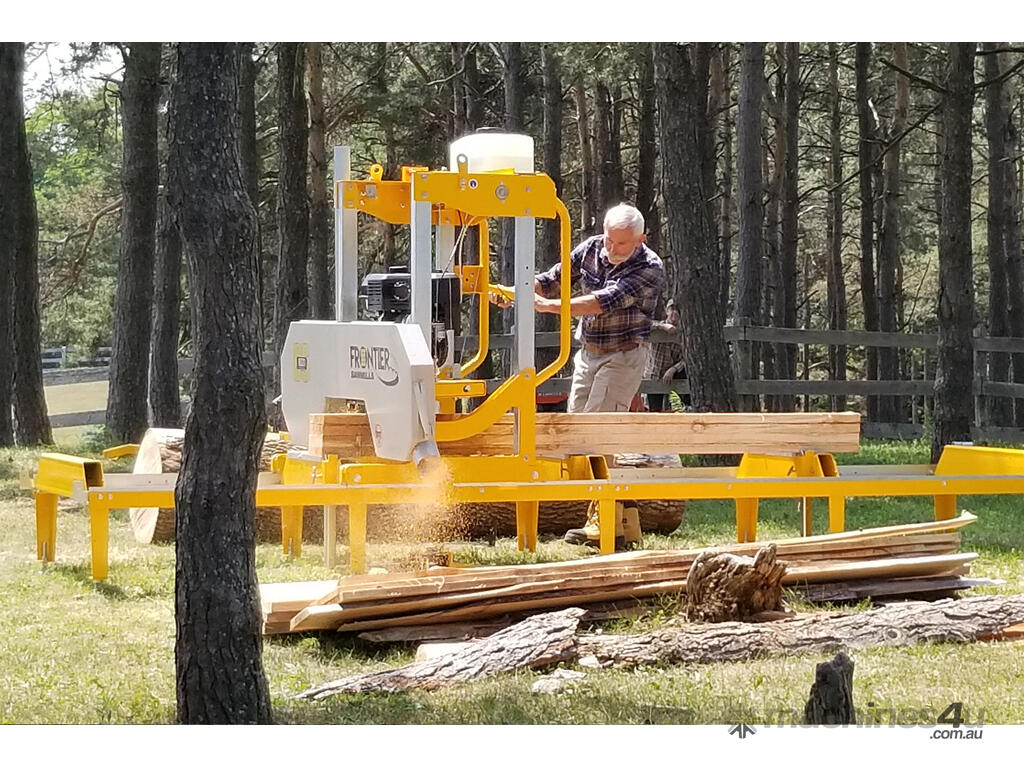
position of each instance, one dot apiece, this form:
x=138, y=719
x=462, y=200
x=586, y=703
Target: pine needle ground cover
x=75, y=651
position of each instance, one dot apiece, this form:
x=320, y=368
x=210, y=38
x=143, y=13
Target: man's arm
x=578, y=307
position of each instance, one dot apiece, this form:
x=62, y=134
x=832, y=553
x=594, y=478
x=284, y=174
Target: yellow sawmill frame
x=295, y=483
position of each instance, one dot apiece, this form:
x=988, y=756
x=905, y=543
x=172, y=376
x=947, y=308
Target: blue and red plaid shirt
x=627, y=292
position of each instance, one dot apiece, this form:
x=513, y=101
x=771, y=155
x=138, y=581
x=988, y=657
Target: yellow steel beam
x=65, y=475
x=489, y=195
x=120, y=451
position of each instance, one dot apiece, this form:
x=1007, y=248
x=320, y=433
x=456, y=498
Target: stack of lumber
x=564, y=434
x=913, y=559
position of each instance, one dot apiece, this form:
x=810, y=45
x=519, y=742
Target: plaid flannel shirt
x=627, y=293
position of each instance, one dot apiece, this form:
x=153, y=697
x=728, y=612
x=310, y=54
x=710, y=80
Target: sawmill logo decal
x=372, y=363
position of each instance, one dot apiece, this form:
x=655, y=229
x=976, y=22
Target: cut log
x=831, y=699
x=892, y=625
x=535, y=642
x=724, y=587
x=160, y=452
x=564, y=434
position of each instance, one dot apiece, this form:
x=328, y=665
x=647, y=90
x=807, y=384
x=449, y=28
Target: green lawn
x=75, y=651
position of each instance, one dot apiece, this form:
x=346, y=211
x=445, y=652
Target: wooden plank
x=932, y=565
x=561, y=434
x=858, y=590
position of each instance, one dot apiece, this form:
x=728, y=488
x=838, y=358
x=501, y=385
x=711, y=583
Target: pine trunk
x=12, y=215
x=292, y=299
x=999, y=410
x=865, y=156
x=646, y=181
x=788, y=234
x=837, y=312
x=954, y=375
x=690, y=235
x=750, y=200
x=164, y=398
x=889, y=241
x=588, y=224
x=320, y=215
x=218, y=648
x=20, y=249
x=127, y=412
x=514, y=73
x=726, y=128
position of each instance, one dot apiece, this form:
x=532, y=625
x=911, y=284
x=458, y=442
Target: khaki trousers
x=606, y=383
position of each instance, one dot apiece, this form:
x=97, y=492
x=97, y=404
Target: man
x=621, y=279
x=666, y=359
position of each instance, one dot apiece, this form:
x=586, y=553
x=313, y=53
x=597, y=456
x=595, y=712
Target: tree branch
x=1001, y=77
x=915, y=78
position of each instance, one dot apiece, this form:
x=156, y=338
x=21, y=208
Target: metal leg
x=945, y=507
x=746, y=520
x=330, y=535
x=46, y=526
x=807, y=517
x=99, y=533
x=606, y=521
x=836, y=514
x=526, y=524
x=291, y=530
x=357, y=538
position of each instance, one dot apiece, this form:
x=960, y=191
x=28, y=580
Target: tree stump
x=831, y=699
x=726, y=587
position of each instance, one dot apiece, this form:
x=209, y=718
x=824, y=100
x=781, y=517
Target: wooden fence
x=814, y=388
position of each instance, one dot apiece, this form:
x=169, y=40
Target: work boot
x=590, y=533
x=631, y=531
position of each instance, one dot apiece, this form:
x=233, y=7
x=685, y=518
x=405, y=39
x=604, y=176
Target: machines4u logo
x=372, y=363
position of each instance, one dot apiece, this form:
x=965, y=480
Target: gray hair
x=624, y=216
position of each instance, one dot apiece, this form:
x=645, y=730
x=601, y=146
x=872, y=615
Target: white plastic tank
x=493, y=151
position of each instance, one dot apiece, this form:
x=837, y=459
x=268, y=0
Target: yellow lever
x=501, y=292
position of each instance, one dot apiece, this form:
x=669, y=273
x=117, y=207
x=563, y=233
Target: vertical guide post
x=522, y=352
x=346, y=243
x=420, y=261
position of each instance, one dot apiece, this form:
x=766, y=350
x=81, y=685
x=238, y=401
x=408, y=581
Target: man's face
x=619, y=244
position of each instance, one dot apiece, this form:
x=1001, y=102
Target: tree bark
x=954, y=375
x=514, y=72
x=164, y=397
x=588, y=223
x=551, y=152
x=831, y=699
x=292, y=299
x=1001, y=166
x=249, y=150
x=889, y=240
x=646, y=180
x=836, y=279
x=788, y=233
x=690, y=235
x=749, y=194
x=538, y=641
x=218, y=648
x=127, y=412
x=19, y=255
x=866, y=156
x=725, y=132
x=320, y=215
x=728, y=587
x=12, y=126
x=606, y=150
x=900, y=624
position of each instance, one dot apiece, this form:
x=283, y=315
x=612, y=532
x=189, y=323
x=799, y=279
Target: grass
x=75, y=651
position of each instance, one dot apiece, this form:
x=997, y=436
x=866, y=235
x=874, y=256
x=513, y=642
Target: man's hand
x=499, y=298
x=544, y=305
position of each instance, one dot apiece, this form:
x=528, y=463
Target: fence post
x=979, y=359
